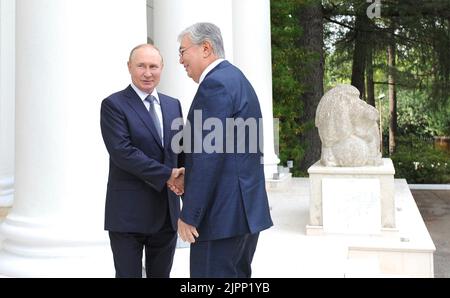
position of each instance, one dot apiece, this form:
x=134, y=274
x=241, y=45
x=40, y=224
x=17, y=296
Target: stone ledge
x=386, y=169
x=429, y=186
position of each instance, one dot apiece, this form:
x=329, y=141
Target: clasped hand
x=176, y=181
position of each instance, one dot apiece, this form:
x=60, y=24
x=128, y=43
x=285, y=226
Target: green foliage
x=337, y=75
x=422, y=75
x=419, y=162
x=416, y=117
x=422, y=39
x=286, y=87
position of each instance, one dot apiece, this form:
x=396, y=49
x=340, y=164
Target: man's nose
x=147, y=72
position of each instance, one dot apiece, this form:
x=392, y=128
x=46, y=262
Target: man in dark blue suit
x=225, y=204
x=140, y=210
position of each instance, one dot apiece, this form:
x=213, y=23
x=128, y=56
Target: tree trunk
x=311, y=21
x=369, y=73
x=360, y=53
x=392, y=97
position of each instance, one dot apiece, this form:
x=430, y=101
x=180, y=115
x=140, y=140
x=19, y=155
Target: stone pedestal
x=352, y=200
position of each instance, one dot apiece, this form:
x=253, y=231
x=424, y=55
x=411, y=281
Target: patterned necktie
x=151, y=99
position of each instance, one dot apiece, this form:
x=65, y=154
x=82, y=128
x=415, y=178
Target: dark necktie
x=151, y=99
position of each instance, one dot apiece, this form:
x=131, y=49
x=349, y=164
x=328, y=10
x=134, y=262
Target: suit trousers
x=223, y=258
x=159, y=248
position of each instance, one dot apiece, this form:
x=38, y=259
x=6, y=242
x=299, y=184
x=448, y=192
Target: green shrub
x=419, y=162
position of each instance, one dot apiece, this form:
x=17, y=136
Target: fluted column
x=69, y=56
x=7, y=42
x=253, y=55
x=173, y=16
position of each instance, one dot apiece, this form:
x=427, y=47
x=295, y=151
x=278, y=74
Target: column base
x=270, y=166
x=43, y=248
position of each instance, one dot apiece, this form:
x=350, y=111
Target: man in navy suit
x=141, y=213
x=225, y=204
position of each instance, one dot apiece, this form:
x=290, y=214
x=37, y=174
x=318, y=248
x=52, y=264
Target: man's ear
x=129, y=66
x=207, y=49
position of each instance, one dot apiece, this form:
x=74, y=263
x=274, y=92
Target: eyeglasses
x=182, y=51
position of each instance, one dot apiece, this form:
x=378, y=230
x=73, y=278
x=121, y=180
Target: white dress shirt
x=158, y=110
x=209, y=68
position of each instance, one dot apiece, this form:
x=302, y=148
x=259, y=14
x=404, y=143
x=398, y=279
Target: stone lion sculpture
x=348, y=128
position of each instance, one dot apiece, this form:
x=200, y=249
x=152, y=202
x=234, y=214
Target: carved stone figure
x=348, y=128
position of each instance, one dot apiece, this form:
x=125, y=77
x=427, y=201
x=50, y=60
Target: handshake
x=176, y=181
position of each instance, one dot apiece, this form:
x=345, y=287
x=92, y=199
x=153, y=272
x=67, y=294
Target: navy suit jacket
x=137, y=199
x=225, y=194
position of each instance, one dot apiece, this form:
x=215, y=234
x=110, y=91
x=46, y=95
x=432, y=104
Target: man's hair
x=143, y=46
x=205, y=32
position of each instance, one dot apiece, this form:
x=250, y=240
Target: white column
x=173, y=16
x=150, y=20
x=7, y=41
x=253, y=55
x=69, y=56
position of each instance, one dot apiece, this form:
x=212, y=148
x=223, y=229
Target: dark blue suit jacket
x=137, y=198
x=225, y=194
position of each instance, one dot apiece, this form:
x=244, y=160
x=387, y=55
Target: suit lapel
x=138, y=106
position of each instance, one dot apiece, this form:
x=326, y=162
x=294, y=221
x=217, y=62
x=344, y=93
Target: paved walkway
x=434, y=206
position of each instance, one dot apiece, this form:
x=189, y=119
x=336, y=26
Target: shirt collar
x=209, y=68
x=143, y=95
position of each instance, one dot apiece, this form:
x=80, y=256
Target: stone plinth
x=362, y=193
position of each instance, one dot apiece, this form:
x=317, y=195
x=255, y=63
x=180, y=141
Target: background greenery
x=399, y=61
